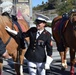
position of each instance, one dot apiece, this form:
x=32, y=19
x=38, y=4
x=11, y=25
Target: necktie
x=38, y=33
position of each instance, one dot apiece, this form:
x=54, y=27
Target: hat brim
x=37, y=21
x=48, y=23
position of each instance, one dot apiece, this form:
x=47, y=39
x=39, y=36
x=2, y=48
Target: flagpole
x=0, y=7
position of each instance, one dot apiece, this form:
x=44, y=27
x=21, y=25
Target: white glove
x=10, y=30
x=47, y=66
x=48, y=62
x=7, y=28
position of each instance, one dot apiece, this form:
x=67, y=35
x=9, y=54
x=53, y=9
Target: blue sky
x=36, y=2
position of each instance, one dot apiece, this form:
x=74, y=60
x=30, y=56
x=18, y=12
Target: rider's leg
x=6, y=55
x=3, y=52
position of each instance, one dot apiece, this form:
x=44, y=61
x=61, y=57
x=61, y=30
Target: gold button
x=33, y=50
x=34, y=47
x=35, y=44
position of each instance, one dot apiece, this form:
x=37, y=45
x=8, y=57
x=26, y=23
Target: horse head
x=72, y=19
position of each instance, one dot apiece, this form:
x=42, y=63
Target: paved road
x=8, y=68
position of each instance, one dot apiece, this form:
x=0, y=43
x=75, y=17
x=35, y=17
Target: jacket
x=36, y=50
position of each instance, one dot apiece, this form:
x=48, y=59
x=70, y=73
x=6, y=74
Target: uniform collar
x=40, y=31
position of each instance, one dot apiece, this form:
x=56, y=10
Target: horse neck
x=3, y=22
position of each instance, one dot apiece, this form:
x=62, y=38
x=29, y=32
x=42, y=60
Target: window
x=22, y=0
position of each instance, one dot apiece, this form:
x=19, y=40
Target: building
x=25, y=6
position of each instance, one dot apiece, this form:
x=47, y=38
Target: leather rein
x=9, y=37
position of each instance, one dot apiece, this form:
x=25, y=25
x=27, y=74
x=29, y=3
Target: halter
x=73, y=18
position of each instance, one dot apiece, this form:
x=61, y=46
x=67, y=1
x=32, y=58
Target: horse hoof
x=64, y=65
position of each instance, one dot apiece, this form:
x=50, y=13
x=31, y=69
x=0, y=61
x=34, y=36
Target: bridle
x=71, y=17
x=9, y=37
x=73, y=20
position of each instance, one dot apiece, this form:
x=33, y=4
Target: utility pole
x=15, y=2
x=30, y=8
x=75, y=4
x=0, y=7
x=0, y=1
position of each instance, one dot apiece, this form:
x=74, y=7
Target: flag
x=19, y=15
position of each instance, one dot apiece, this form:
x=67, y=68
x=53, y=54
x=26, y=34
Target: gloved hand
x=7, y=28
x=48, y=62
x=47, y=66
x=10, y=30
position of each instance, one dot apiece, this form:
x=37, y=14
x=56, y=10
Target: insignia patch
x=40, y=42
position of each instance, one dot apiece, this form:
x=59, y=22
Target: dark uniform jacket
x=36, y=49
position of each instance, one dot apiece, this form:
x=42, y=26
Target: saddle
x=59, y=28
x=60, y=25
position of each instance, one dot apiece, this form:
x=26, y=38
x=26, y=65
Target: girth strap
x=8, y=41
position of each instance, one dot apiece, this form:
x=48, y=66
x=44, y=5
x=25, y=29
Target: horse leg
x=63, y=58
x=1, y=66
x=21, y=60
x=72, y=61
x=65, y=52
x=62, y=51
x=16, y=65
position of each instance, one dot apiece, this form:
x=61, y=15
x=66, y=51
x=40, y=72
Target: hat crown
x=41, y=19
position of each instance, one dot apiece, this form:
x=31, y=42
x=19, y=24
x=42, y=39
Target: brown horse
x=57, y=37
x=12, y=46
x=69, y=37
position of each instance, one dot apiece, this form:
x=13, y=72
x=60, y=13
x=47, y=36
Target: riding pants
x=36, y=68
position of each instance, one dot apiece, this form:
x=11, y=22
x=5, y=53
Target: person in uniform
x=40, y=43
